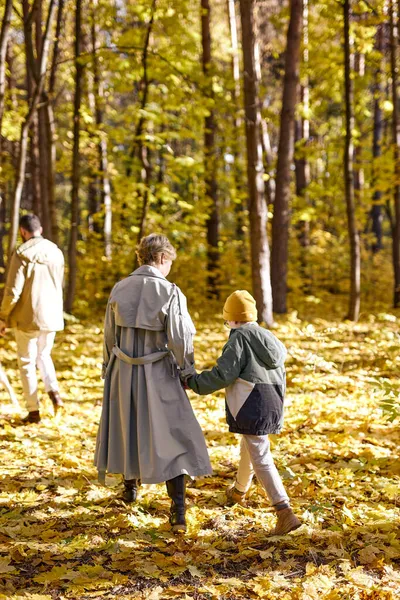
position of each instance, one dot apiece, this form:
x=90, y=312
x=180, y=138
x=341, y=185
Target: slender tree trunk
x=237, y=122
x=102, y=144
x=210, y=165
x=50, y=126
x=355, y=268
x=138, y=144
x=43, y=141
x=269, y=184
x=281, y=218
x=258, y=214
x=31, y=82
x=144, y=85
x=21, y=166
x=396, y=157
x=377, y=207
x=75, y=161
x=4, y=35
x=359, y=68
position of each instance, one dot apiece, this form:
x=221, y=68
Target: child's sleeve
x=226, y=371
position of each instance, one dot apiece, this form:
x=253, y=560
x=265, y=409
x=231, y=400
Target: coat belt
x=140, y=360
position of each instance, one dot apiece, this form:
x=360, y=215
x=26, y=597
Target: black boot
x=176, y=489
x=130, y=490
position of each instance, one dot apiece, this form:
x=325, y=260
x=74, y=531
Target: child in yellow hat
x=251, y=368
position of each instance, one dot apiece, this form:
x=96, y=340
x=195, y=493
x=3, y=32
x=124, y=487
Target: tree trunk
x=258, y=214
x=4, y=35
x=102, y=145
x=210, y=165
x=31, y=82
x=50, y=126
x=21, y=166
x=43, y=145
x=396, y=145
x=144, y=85
x=359, y=179
x=75, y=162
x=237, y=123
x=269, y=184
x=302, y=166
x=281, y=218
x=377, y=207
x=354, y=299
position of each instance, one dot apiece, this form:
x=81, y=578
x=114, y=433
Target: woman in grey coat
x=148, y=430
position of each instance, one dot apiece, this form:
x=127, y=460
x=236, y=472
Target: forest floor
x=62, y=535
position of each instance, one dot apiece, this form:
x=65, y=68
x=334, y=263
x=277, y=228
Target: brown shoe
x=32, y=417
x=287, y=521
x=233, y=496
x=56, y=400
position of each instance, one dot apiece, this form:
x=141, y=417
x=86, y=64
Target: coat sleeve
x=226, y=371
x=180, y=332
x=14, y=286
x=109, y=337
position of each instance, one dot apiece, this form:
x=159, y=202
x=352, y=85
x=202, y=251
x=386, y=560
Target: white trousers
x=34, y=350
x=256, y=457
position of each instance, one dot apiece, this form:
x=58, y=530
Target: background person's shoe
x=233, y=496
x=56, y=400
x=287, y=521
x=32, y=417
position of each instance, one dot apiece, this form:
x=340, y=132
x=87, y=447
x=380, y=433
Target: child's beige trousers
x=256, y=457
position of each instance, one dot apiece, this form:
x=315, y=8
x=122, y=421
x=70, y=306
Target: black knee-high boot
x=130, y=490
x=176, y=489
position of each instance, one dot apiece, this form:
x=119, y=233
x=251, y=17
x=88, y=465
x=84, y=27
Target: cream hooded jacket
x=33, y=299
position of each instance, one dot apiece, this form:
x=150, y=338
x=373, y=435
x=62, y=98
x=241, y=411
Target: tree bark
x=4, y=35
x=302, y=166
x=144, y=85
x=21, y=166
x=396, y=156
x=258, y=215
x=237, y=123
x=73, y=238
x=102, y=144
x=43, y=141
x=281, y=218
x=50, y=127
x=354, y=298
x=377, y=206
x=210, y=165
x=31, y=82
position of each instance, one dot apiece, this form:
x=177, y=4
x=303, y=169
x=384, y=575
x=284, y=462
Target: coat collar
x=150, y=271
x=29, y=243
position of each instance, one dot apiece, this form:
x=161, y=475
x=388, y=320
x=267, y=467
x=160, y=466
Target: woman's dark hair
x=30, y=223
x=151, y=248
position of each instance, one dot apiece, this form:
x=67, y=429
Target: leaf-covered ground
x=64, y=536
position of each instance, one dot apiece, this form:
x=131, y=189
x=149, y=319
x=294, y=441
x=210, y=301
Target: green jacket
x=251, y=368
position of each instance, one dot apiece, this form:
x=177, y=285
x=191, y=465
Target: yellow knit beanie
x=240, y=306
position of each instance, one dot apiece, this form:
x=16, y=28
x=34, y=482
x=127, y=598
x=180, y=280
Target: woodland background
x=233, y=128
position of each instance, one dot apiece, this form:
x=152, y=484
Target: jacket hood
x=39, y=250
x=264, y=344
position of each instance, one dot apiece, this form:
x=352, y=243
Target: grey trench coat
x=148, y=429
